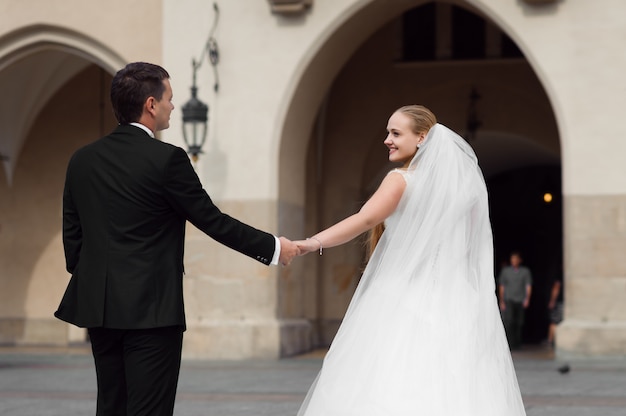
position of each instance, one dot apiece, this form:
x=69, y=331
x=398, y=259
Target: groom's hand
x=288, y=250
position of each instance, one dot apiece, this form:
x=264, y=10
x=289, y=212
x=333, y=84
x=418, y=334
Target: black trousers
x=513, y=318
x=137, y=370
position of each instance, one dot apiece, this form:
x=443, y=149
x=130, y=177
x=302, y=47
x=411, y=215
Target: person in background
x=514, y=288
x=555, y=308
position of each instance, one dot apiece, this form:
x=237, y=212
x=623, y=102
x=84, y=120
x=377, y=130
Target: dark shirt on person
x=514, y=280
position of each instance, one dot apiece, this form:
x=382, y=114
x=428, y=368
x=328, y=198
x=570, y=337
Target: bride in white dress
x=423, y=334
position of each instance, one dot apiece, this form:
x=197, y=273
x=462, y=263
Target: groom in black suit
x=127, y=197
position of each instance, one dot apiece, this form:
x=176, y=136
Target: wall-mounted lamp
x=195, y=122
x=290, y=7
x=195, y=112
x=473, y=123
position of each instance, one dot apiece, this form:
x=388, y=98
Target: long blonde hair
x=422, y=119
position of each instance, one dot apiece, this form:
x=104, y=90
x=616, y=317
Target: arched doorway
x=55, y=85
x=432, y=53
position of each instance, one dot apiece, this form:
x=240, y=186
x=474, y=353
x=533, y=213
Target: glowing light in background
x=547, y=197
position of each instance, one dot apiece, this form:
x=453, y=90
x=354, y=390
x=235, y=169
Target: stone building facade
x=295, y=144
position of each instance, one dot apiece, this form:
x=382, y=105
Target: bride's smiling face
x=401, y=141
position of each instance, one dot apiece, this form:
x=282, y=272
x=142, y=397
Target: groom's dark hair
x=131, y=87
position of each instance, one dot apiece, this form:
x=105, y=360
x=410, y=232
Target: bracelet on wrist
x=313, y=238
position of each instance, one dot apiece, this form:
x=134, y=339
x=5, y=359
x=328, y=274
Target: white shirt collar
x=144, y=128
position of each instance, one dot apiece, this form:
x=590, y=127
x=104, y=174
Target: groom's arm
x=189, y=198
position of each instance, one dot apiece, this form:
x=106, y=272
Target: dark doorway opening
x=527, y=215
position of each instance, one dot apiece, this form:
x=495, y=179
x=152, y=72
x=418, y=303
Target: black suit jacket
x=127, y=197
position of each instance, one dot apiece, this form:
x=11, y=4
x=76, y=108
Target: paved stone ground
x=62, y=383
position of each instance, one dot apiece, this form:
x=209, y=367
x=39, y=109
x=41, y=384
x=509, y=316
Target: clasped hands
x=290, y=249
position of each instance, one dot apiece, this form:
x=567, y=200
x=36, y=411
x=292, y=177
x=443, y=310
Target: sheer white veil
x=440, y=234
x=423, y=333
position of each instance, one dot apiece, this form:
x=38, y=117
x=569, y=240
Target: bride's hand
x=307, y=246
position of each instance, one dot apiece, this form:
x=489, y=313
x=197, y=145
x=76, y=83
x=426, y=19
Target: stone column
x=595, y=278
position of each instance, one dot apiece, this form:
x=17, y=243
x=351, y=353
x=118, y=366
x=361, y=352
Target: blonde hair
x=422, y=119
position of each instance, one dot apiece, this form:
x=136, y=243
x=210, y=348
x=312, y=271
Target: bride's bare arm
x=376, y=209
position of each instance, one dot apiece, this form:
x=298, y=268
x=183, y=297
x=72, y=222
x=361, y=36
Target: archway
x=55, y=101
x=335, y=124
x=43, y=58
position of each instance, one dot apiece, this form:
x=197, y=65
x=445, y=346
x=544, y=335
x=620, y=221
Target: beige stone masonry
x=595, y=277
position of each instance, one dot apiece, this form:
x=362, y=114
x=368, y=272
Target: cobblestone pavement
x=62, y=383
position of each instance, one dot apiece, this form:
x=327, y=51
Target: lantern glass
x=195, y=120
x=194, y=134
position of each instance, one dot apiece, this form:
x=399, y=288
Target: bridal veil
x=423, y=333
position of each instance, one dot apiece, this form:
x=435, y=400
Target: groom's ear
x=149, y=105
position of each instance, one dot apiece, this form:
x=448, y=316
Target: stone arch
x=22, y=54
x=47, y=75
x=303, y=117
x=31, y=39
x=334, y=46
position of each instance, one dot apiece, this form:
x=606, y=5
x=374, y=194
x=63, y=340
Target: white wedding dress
x=423, y=333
